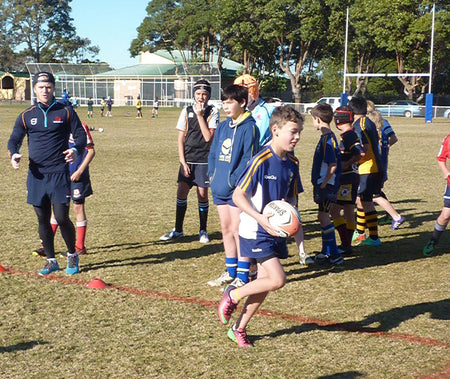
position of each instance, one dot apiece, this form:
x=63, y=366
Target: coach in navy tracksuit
x=47, y=125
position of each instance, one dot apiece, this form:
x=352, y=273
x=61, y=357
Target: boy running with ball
x=273, y=174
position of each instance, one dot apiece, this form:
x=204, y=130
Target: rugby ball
x=100, y=130
x=285, y=217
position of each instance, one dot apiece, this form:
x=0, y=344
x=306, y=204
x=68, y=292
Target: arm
x=79, y=136
x=15, y=142
x=199, y=109
x=444, y=169
x=392, y=139
x=330, y=172
x=181, y=140
x=249, y=145
x=87, y=160
x=240, y=199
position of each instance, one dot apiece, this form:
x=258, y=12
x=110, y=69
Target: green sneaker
x=371, y=242
x=429, y=248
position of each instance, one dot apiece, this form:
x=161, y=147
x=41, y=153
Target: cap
x=202, y=84
x=250, y=83
x=43, y=77
x=343, y=115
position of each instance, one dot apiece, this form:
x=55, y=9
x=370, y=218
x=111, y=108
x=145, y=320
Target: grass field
x=385, y=315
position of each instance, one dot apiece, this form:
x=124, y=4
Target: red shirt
x=444, y=153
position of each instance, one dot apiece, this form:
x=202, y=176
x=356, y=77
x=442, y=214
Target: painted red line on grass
x=329, y=325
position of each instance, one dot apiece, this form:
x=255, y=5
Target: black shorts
x=80, y=190
x=369, y=185
x=55, y=186
x=347, y=193
x=198, y=176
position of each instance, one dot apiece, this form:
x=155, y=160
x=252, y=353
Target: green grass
x=386, y=314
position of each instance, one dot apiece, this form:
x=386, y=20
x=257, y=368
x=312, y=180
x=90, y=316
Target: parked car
x=333, y=101
x=406, y=108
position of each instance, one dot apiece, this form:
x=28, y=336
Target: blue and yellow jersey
x=266, y=178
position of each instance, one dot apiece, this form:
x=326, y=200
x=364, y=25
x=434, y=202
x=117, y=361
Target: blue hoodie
x=232, y=148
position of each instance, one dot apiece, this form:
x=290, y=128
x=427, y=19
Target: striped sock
x=243, y=268
x=232, y=264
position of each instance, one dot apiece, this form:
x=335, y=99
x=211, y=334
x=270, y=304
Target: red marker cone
x=2, y=269
x=97, y=284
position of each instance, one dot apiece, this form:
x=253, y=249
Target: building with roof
x=169, y=76
x=15, y=86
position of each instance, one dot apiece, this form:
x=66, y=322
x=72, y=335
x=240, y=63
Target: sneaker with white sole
x=224, y=278
x=396, y=223
x=173, y=234
x=204, y=238
x=72, y=264
x=50, y=266
x=305, y=259
x=227, y=306
x=371, y=242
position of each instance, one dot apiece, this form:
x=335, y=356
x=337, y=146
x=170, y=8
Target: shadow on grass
x=20, y=346
x=204, y=250
x=381, y=322
x=342, y=375
x=407, y=249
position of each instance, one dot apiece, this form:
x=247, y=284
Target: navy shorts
x=198, y=176
x=55, y=186
x=263, y=247
x=447, y=197
x=369, y=185
x=327, y=194
x=220, y=201
x=80, y=190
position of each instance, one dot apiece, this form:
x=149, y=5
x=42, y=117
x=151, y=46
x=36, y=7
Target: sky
x=111, y=25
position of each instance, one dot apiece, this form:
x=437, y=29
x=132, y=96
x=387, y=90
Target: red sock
x=81, y=234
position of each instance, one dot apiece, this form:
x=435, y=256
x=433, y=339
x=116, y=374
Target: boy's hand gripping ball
x=285, y=217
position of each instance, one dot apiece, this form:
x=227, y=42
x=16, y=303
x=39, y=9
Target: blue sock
x=231, y=264
x=329, y=240
x=243, y=268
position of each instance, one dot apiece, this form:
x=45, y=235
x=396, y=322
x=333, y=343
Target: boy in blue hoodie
x=235, y=142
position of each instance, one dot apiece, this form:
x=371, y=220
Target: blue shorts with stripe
x=55, y=186
x=263, y=247
x=447, y=197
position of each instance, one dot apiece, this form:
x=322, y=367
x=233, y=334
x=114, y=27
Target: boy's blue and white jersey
x=327, y=152
x=267, y=178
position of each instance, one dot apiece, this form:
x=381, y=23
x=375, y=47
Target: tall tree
x=45, y=29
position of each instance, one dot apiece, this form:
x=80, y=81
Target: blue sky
x=110, y=25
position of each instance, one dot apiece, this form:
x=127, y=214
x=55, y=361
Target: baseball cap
x=248, y=82
x=43, y=77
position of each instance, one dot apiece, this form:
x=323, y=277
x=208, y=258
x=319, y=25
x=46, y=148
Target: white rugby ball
x=100, y=130
x=285, y=217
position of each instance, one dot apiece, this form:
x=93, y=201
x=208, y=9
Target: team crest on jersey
x=58, y=120
x=33, y=121
x=191, y=115
x=225, y=153
x=345, y=192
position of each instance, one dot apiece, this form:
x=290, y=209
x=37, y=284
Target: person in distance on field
x=48, y=125
x=109, y=106
x=387, y=139
x=139, y=107
x=81, y=188
x=444, y=218
x=371, y=173
x=235, y=142
x=258, y=238
x=196, y=126
x=102, y=106
x=155, y=107
x=325, y=175
x=351, y=152
x=261, y=110
x=90, y=108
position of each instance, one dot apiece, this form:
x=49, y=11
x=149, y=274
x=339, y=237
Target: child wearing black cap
x=196, y=126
